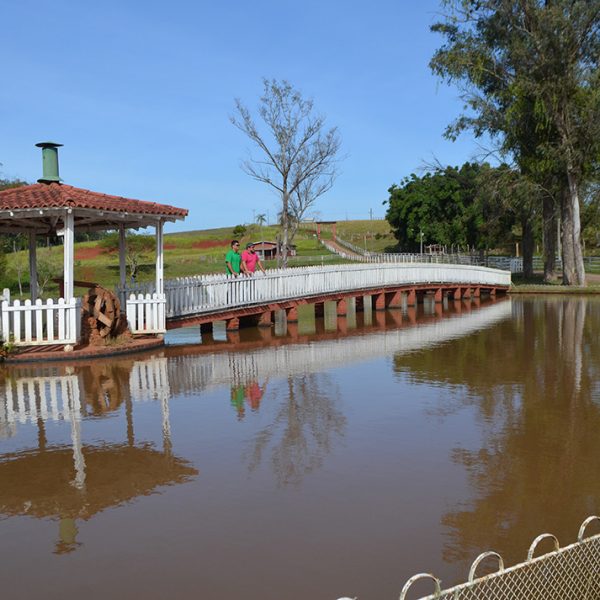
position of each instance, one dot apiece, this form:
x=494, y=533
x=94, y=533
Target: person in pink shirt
x=251, y=260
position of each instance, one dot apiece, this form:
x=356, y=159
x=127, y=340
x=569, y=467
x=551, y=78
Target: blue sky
x=140, y=94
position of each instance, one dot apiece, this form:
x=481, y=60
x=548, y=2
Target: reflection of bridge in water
x=189, y=372
x=28, y=397
x=76, y=481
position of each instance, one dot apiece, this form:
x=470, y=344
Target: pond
x=331, y=458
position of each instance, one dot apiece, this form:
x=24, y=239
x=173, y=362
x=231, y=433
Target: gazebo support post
x=33, y=287
x=159, y=258
x=68, y=253
x=122, y=261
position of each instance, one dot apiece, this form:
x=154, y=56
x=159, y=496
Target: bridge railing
x=213, y=293
x=507, y=263
x=146, y=313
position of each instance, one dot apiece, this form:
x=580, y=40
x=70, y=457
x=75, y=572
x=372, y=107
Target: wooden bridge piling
x=291, y=314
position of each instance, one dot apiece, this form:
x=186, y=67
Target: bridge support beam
x=291, y=314
x=265, y=319
x=492, y=292
x=467, y=293
x=411, y=297
x=457, y=294
x=477, y=292
x=438, y=297
x=341, y=307
x=232, y=324
x=379, y=301
x=394, y=299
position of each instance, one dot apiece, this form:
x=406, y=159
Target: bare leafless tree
x=306, y=195
x=296, y=149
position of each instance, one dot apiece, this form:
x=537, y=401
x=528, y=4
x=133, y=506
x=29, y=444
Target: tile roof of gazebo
x=32, y=207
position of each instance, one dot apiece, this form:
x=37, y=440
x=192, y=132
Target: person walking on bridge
x=233, y=260
x=251, y=260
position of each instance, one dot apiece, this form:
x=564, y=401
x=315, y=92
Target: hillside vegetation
x=186, y=254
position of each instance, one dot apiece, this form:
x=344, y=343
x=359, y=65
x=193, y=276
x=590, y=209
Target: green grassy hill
x=186, y=253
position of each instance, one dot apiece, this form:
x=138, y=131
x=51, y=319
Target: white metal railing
x=41, y=323
x=508, y=263
x=212, y=293
x=568, y=572
x=146, y=313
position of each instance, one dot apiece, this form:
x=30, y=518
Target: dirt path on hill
x=343, y=249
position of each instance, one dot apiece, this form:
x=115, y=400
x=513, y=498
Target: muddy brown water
x=332, y=458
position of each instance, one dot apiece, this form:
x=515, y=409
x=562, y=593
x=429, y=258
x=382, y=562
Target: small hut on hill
x=268, y=250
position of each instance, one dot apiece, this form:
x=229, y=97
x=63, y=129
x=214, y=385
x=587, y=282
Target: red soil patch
x=87, y=253
x=169, y=246
x=204, y=244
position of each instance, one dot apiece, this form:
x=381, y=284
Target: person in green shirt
x=233, y=260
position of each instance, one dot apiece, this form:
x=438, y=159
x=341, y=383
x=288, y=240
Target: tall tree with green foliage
x=528, y=70
x=451, y=206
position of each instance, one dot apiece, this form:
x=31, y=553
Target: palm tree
x=261, y=219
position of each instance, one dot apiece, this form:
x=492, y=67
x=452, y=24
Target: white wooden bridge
x=207, y=298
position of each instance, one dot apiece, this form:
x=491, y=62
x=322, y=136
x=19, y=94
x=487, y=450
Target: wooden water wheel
x=104, y=309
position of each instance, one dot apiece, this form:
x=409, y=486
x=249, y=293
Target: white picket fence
x=212, y=293
x=40, y=323
x=146, y=313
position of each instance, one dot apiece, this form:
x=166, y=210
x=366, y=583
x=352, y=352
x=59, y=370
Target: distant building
x=268, y=250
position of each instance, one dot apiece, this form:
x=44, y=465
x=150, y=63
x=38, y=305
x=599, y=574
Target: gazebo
x=50, y=207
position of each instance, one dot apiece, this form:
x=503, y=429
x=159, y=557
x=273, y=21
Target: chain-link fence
x=569, y=573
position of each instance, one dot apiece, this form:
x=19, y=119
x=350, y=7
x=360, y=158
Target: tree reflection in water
x=303, y=430
x=539, y=412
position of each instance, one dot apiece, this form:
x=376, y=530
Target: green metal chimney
x=49, y=162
